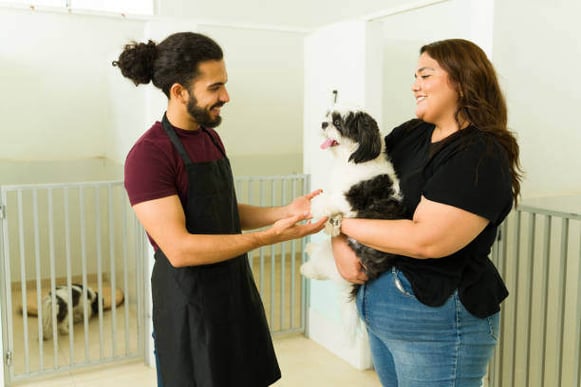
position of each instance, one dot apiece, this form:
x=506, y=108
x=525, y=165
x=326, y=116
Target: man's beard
x=201, y=115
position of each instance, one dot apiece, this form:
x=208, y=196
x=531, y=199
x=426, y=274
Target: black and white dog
x=76, y=297
x=363, y=184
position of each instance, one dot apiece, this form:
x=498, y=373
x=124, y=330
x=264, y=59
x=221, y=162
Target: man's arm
x=252, y=217
x=165, y=222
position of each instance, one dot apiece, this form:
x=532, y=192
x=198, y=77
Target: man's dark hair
x=175, y=60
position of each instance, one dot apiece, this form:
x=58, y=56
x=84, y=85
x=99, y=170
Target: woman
x=433, y=318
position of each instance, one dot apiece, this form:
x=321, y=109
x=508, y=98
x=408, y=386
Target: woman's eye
x=425, y=76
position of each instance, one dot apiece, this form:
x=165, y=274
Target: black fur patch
x=62, y=309
x=374, y=199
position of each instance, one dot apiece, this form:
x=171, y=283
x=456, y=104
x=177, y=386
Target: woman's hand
x=348, y=264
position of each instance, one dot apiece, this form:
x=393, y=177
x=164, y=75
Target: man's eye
x=426, y=76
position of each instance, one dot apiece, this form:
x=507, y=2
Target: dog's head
x=353, y=131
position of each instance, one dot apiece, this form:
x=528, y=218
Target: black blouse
x=467, y=170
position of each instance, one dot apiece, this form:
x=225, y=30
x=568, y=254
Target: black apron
x=209, y=321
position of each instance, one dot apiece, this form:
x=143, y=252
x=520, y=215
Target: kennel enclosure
x=538, y=253
x=63, y=224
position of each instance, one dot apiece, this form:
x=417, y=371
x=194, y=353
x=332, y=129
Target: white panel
x=343, y=57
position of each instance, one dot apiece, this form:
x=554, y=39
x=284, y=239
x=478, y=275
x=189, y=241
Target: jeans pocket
x=401, y=283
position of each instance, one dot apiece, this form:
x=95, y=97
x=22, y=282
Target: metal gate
x=276, y=267
x=86, y=233
x=61, y=234
x=539, y=256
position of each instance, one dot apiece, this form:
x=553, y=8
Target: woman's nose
x=415, y=85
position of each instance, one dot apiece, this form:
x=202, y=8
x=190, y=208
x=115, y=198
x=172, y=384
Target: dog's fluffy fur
x=363, y=184
x=77, y=297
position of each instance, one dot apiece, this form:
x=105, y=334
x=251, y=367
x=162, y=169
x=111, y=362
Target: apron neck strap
x=175, y=140
x=178, y=144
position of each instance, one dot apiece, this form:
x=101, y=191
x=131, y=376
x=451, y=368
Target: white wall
x=62, y=99
x=53, y=70
x=405, y=33
x=537, y=53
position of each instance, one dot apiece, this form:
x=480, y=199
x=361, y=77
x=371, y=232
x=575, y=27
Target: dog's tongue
x=328, y=143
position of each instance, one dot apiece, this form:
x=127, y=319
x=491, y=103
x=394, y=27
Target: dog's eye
x=337, y=123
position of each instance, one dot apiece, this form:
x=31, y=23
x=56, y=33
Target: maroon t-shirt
x=154, y=169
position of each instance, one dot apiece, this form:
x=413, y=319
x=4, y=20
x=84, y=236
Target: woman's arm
x=165, y=222
x=436, y=230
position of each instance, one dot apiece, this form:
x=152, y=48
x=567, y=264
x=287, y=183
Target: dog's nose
x=324, y=125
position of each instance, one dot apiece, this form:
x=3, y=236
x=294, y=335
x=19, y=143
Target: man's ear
x=179, y=93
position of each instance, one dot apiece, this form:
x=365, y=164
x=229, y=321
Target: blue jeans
x=415, y=345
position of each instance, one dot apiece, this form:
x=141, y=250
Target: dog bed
x=109, y=297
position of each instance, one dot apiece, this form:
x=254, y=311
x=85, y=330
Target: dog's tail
x=353, y=326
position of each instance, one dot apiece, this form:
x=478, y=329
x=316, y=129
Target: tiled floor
x=303, y=362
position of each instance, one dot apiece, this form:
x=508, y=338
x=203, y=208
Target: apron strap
x=178, y=144
x=215, y=142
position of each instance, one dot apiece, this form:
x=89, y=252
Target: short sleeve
x=149, y=173
x=475, y=179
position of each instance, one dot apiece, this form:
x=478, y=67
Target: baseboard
x=326, y=332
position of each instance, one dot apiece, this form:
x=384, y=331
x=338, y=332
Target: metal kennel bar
x=276, y=268
x=538, y=253
x=60, y=234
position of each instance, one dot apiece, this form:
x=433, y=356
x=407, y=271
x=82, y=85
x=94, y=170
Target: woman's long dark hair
x=481, y=101
x=174, y=60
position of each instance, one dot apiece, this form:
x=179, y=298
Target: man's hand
x=291, y=228
x=302, y=204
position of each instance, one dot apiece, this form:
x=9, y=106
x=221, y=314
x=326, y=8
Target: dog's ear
x=368, y=137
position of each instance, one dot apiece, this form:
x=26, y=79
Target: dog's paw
x=333, y=225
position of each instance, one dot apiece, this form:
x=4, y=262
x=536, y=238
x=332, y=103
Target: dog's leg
x=63, y=326
x=321, y=264
x=47, y=318
x=78, y=313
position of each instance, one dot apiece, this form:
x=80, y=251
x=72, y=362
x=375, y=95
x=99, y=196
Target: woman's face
x=436, y=98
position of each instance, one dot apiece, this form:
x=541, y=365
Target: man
x=209, y=322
